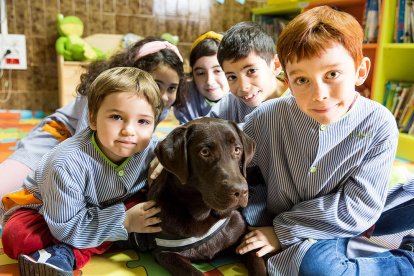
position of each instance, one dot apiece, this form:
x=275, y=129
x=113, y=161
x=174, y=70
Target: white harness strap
x=188, y=241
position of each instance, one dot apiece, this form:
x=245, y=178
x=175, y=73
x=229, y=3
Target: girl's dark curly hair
x=127, y=58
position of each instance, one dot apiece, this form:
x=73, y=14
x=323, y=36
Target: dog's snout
x=239, y=192
x=240, y=196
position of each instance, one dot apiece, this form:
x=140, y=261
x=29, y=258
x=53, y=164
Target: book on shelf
x=400, y=102
x=371, y=21
x=411, y=20
x=411, y=130
x=399, y=22
x=408, y=119
x=408, y=38
x=399, y=99
x=408, y=109
x=390, y=90
x=409, y=127
x=404, y=22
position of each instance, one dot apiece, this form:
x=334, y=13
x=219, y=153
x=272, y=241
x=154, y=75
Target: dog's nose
x=240, y=196
x=239, y=192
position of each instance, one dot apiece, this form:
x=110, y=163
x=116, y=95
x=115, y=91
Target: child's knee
x=324, y=257
x=14, y=240
x=25, y=233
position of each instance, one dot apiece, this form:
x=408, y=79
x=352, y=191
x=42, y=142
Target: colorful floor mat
x=14, y=125
x=132, y=263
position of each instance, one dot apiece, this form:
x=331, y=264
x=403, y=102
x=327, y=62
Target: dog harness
x=183, y=244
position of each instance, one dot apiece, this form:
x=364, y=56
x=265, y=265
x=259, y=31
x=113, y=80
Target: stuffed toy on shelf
x=70, y=43
x=173, y=39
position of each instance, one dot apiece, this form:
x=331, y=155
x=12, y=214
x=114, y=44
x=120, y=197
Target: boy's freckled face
x=209, y=78
x=251, y=79
x=124, y=125
x=324, y=86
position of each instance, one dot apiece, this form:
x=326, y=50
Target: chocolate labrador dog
x=199, y=191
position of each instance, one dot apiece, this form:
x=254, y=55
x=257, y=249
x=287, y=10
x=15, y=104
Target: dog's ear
x=249, y=147
x=172, y=153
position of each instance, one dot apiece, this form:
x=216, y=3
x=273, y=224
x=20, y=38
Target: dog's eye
x=237, y=150
x=205, y=152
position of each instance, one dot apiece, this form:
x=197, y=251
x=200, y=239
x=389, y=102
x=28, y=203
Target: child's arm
x=49, y=132
x=182, y=114
x=71, y=219
x=352, y=208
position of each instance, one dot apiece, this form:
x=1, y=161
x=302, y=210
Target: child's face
x=167, y=80
x=252, y=79
x=124, y=125
x=209, y=78
x=324, y=86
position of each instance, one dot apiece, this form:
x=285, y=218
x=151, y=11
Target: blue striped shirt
x=230, y=108
x=32, y=147
x=195, y=106
x=83, y=191
x=323, y=181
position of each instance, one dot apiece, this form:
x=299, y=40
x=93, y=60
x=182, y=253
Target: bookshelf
x=389, y=61
x=395, y=62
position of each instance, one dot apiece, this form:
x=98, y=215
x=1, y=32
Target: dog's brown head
x=210, y=155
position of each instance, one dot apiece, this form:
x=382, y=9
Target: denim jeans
x=328, y=257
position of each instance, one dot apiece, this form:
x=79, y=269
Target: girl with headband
x=158, y=57
x=208, y=85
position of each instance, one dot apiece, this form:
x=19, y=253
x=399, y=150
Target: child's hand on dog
x=141, y=218
x=263, y=239
x=155, y=170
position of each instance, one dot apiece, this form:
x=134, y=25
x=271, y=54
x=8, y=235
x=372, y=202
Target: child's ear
x=277, y=65
x=362, y=71
x=92, y=121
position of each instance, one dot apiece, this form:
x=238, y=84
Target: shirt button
x=121, y=173
x=323, y=127
x=313, y=170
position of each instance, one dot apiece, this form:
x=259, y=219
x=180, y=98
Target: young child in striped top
x=208, y=84
x=89, y=190
x=326, y=154
x=248, y=57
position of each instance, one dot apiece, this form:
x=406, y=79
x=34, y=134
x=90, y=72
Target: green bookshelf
x=395, y=61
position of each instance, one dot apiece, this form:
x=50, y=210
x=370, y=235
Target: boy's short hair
x=244, y=38
x=311, y=32
x=125, y=79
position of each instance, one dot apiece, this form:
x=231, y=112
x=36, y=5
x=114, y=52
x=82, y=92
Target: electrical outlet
x=13, y=52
